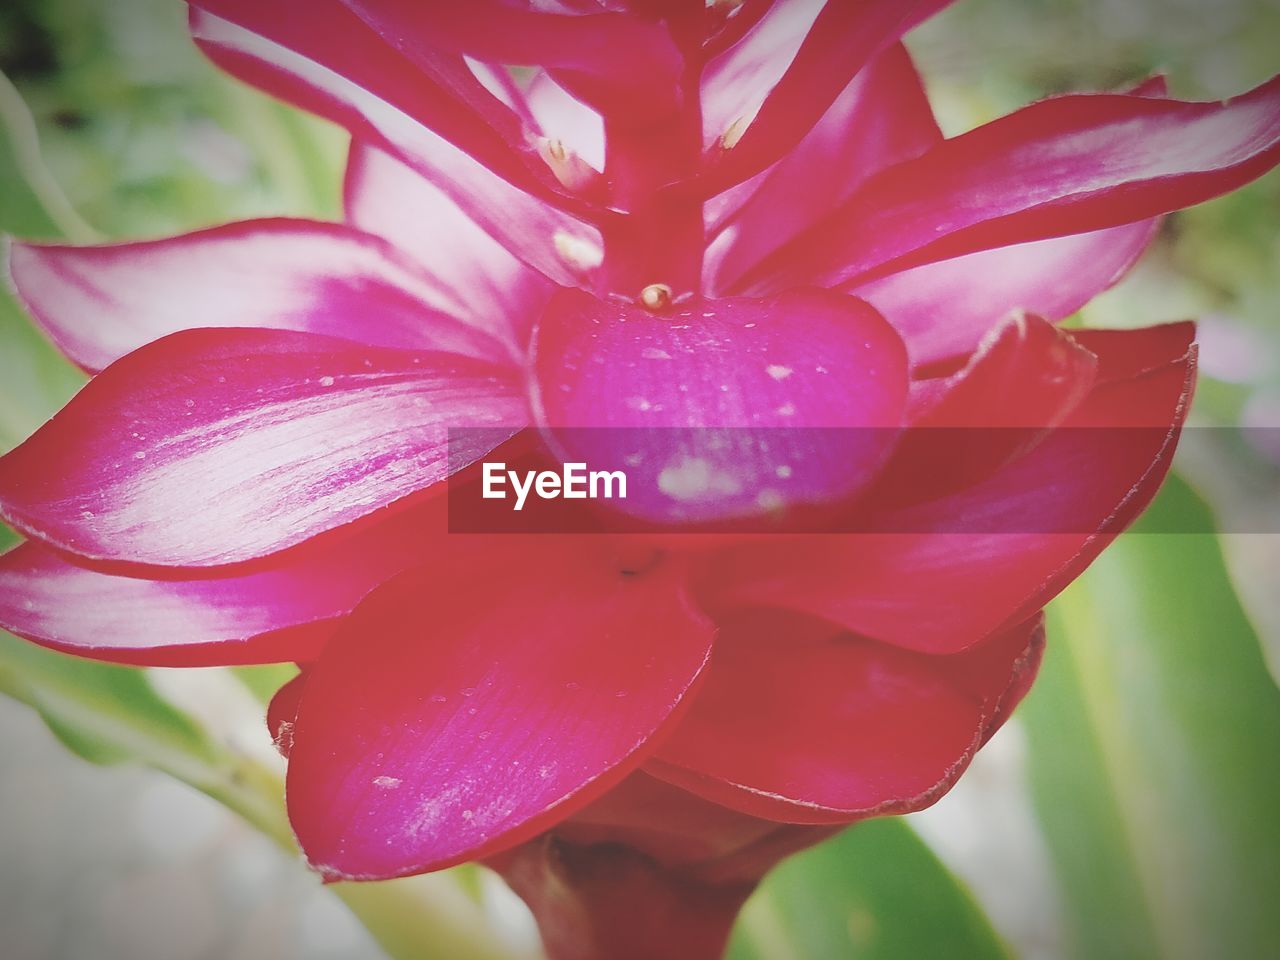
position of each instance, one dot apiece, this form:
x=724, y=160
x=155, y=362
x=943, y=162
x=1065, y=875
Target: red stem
x=661, y=238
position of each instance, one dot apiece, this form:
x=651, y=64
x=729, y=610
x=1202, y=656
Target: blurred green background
x=1131, y=809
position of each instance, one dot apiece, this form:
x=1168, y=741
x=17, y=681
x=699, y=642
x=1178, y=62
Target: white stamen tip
x=570, y=169
x=729, y=139
x=656, y=296
x=577, y=252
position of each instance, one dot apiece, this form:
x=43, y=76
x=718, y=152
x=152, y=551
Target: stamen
x=656, y=296
x=557, y=153
x=578, y=252
x=569, y=168
x=729, y=139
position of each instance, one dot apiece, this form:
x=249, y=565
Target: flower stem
x=661, y=238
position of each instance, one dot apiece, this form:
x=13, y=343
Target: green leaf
x=105, y=713
x=111, y=714
x=31, y=203
x=1155, y=732
x=265, y=679
x=35, y=380
x=875, y=892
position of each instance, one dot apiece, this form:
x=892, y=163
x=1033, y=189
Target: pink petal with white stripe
x=217, y=446
x=882, y=118
x=481, y=279
x=330, y=63
x=99, y=303
x=284, y=611
x=782, y=89
x=737, y=82
x=1068, y=165
x=617, y=62
x=563, y=117
x=943, y=309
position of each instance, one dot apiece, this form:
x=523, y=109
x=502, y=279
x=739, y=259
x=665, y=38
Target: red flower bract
x=689, y=216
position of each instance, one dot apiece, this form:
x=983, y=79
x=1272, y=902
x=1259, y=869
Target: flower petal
x=1049, y=278
x=99, y=303
x=330, y=63
x=1025, y=378
x=782, y=89
x=949, y=571
x=652, y=389
x=284, y=610
x=801, y=723
x=736, y=82
x=1025, y=373
x=217, y=446
x=617, y=62
x=666, y=824
x=1125, y=354
x=546, y=239
x=561, y=116
x=282, y=711
x=467, y=707
x=57, y=604
x=483, y=281
x=1069, y=165
x=881, y=118
x=942, y=309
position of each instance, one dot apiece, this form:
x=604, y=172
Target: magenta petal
x=1025, y=373
x=159, y=623
x=809, y=76
x=216, y=446
x=781, y=369
x=949, y=571
x=1069, y=165
x=943, y=309
x=282, y=711
x=284, y=609
x=432, y=212
x=467, y=707
x=99, y=303
x=738, y=80
x=1125, y=354
x=880, y=119
x=1026, y=377
x=329, y=62
x=614, y=61
x=228, y=620
x=561, y=116
x=801, y=723
x=483, y=281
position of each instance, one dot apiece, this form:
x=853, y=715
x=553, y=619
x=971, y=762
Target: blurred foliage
x=1154, y=731
x=147, y=137
x=874, y=892
x=1154, y=726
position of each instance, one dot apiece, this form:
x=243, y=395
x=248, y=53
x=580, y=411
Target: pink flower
x=690, y=215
